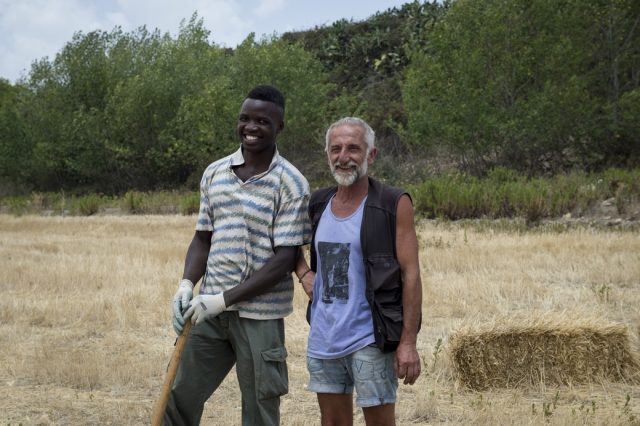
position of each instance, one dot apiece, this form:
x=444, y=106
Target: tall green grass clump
x=132, y=202
x=50, y=202
x=86, y=205
x=459, y=196
x=529, y=199
x=190, y=203
x=33, y=203
x=454, y=196
x=17, y=205
x=571, y=193
x=505, y=194
x=623, y=186
x=159, y=202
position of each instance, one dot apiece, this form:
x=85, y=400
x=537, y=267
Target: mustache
x=351, y=163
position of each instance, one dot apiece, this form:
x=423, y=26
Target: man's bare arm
x=281, y=264
x=407, y=358
x=304, y=273
x=195, y=263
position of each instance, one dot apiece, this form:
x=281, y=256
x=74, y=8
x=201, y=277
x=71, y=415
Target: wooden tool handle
x=161, y=404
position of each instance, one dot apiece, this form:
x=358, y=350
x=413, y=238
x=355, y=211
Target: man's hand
x=307, y=283
x=180, y=303
x=407, y=363
x=205, y=306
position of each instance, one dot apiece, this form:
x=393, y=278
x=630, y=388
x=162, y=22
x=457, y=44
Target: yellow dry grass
x=85, y=332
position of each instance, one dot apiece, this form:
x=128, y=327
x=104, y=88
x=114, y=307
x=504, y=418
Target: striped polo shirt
x=248, y=220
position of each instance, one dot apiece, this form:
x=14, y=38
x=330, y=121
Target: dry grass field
x=85, y=332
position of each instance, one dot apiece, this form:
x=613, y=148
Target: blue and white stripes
x=249, y=219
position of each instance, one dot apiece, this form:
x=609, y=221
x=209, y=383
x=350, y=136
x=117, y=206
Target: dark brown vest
x=378, y=240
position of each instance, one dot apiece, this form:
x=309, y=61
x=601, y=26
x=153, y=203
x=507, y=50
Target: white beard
x=348, y=178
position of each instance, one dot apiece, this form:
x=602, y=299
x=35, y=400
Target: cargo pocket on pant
x=273, y=378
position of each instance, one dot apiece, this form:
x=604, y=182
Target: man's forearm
x=412, y=308
x=195, y=263
x=301, y=263
x=407, y=249
x=276, y=268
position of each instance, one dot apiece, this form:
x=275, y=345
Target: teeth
x=250, y=138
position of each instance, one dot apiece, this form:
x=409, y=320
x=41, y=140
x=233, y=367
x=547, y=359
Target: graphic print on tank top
x=334, y=261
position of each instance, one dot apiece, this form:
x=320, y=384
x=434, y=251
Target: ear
x=372, y=155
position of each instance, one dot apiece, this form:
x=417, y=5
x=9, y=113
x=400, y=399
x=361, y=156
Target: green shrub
x=38, y=201
x=623, y=186
x=86, y=205
x=132, y=202
x=503, y=193
x=501, y=175
x=563, y=196
x=614, y=178
x=159, y=202
x=190, y=203
x=17, y=205
x=452, y=196
x=164, y=202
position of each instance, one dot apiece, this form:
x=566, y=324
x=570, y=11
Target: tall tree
x=301, y=79
x=511, y=82
x=14, y=154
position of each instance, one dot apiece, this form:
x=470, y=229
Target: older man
x=364, y=284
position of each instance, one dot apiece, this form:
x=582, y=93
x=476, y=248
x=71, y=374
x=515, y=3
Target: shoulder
x=322, y=195
x=292, y=178
x=216, y=166
x=319, y=200
x=385, y=196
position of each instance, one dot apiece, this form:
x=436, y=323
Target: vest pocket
x=388, y=323
x=273, y=377
x=383, y=272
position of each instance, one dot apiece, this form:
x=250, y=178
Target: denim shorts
x=371, y=371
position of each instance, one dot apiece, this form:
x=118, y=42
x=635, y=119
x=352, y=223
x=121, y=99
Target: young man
x=253, y=217
x=364, y=283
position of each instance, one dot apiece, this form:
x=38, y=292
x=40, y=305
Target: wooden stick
x=161, y=404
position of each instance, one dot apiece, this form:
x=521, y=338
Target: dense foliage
x=538, y=87
x=117, y=111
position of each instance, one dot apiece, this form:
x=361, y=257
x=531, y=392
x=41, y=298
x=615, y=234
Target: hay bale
x=542, y=348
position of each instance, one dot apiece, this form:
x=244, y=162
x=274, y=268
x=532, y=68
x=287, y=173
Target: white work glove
x=205, y=306
x=181, y=303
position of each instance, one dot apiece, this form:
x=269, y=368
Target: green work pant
x=257, y=349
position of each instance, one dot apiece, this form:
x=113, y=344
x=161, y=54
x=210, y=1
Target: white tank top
x=341, y=321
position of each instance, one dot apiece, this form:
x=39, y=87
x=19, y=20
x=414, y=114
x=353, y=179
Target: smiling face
x=258, y=126
x=348, y=154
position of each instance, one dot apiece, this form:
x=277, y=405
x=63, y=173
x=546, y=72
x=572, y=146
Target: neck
x=258, y=160
x=357, y=191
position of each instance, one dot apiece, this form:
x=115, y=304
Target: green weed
x=17, y=205
x=86, y=205
x=602, y=292
x=190, y=204
x=132, y=202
